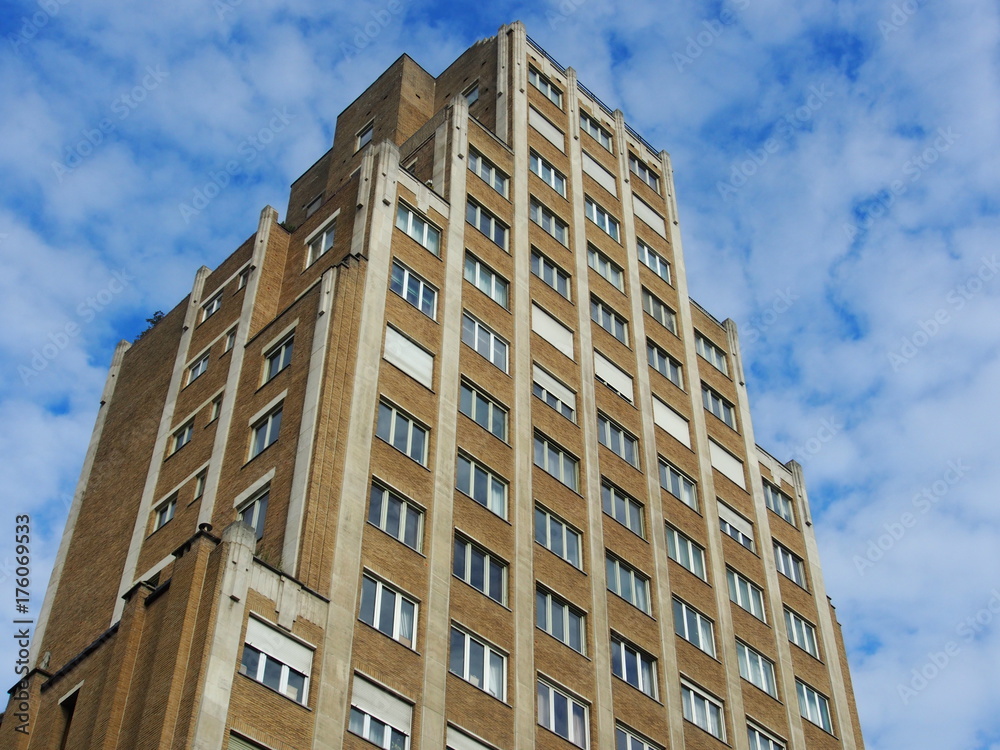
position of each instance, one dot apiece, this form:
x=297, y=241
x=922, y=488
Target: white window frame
x=408, y=444
x=548, y=525
x=375, y=590
x=418, y=228
x=265, y=431
x=216, y=409
x=498, y=348
x=499, y=690
x=547, y=173
x=483, y=408
x=366, y=733
x=711, y=353
x=242, y=278
x=550, y=272
x=762, y=740
x=413, y=288
x=182, y=436
x=718, y=406
x=488, y=172
x=486, y=222
x=693, y=626
x=659, y=311
x=629, y=740
x=230, y=340
x=321, y=242
x=462, y=568
x=606, y=317
x=746, y=594
x=211, y=307
x=471, y=94
x=779, y=503
x=486, y=280
x=556, y=461
x=735, y=526
x=653, y=260
x=313, y=206
x=543, y=84
x=624, y=508
x=577, y=720
x=544, y=387
x=643, y=172
x=364, y=136
x=664, y=364
x=789, y=564
x=618, y=440
x=198, y=368
x=703, y=710
x=636, y=592
x=814, y=706
x=278, y=357
x=285, y=672
x=686, y=552
x=801, y=632
x=253, y=512
x=644, y=665
x=550, y=223
x=200, y=480
x=550, y=609
x=678, y=484
x=605, y=267
x=496, y=486
x=602, y=218
x=164, y=512
x=595, y=130
x=756, y=668
x=408, y=518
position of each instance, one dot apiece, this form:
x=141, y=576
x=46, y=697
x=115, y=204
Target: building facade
x=400, y=475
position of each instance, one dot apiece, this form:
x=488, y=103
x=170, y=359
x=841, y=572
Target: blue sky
x=837, y=179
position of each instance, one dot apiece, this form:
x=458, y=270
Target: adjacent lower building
x=446, y=458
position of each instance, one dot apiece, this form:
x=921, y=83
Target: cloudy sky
x=838, y=181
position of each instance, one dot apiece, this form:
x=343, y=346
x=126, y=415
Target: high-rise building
x=447, y=458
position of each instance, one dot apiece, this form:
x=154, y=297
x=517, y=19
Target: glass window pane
x=387, y=611
x=272, y=673
x=368, y=600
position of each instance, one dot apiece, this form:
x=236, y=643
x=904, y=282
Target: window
x=746, y=594
x=715, y=355
x=548, y=173
x=242, y=278
x=693, y=627
x=589, y=125
x=197, y=369
x=814, y=706
x=230, y=340
x=627, y=583
x=402, y=432
x=480, y=569
x=254, y=512
x=678, y=484
x=388, y=611
x=396, y=516
x=408, y=356
x=550, y=273
x=634, y=666
x=199, y=484
x=756, y=669
x=278, y=358
x=626, y=739
x=418, y=228
x=606, y=267
x=313, y=205
x=609, y=320
x=164, y=512
x=685, y=552
x=183, y=436
x=561, y=620
x=413, y=289
x=482, y=485
x=736, y=526
x=703, y=711
x=664, y=364
x=320, y=244
x=622, y=507
x=760, y=740
x=552, y=330
x=483, y=410
x=216, y=409
x=378, y=716
x=653, y=260
x=718, y=406
x=613, y=377
x=486, y=280
x=562, y=714
x=472, y=94
x=601, y=217
x=789, y=564
x=546, y=86
x=558, y=537
x=276, y=661
x=660, y=312
x=478, y=663
x=485, y=341
x=365, y=135
x=643, y=172
x=265, y=432
x=556, y=461
x=779, y=502
x=548, y=221
x=211, y=307
x=486, y=223
x=487, y=170
x=801, y=633
x=553, y=393
x=375, y=731
x=615, y=438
